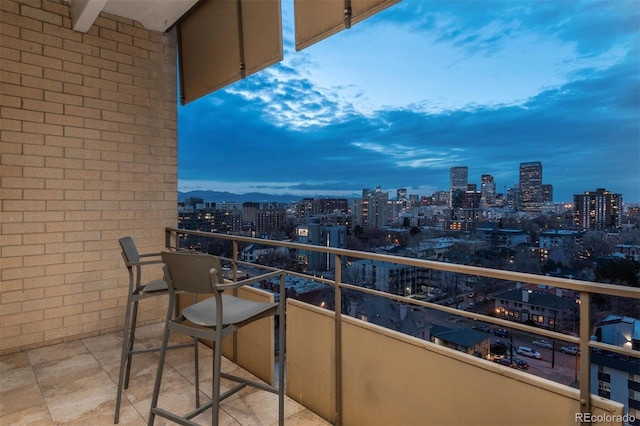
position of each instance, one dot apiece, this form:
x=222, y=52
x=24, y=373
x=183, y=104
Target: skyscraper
x=597, y=210
x=488, y=190
x=459, y=178
x=402, y=195
x=547, y=193
x=531, y=185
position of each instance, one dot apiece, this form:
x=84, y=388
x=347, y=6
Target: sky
x=401, y=97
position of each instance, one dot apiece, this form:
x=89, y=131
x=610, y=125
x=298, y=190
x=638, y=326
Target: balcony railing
x=353, y=372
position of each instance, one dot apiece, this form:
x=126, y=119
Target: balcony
x=339, y=369
x=89, y=154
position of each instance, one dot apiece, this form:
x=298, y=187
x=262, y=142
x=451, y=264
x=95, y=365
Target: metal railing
x=585, y=289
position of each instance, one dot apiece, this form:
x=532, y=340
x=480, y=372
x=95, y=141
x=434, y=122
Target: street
x=564, y=370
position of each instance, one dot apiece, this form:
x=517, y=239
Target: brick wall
x=88, y=154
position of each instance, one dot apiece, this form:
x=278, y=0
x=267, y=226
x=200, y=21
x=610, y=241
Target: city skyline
x=402, y=97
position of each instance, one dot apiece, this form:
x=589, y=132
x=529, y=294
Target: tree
x=619, y=271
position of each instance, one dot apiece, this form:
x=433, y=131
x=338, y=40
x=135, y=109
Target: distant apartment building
x=563, y=238
x=531, y=186
x=628, y=250
x=249, y=210
x=372, y=210
x=441, y=198
x=458, y=180
x=269, y=220
x=615, y=376
x=309, y=207
x=542, y=307
x=207, y=218
x=503, y=237
x=383, y=276
x=319, y=235
x=597, y=210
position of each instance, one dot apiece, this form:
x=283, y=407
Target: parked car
x=571, y=350
x=521, y=363
x=526, y=351
x=500, y=332
x=543, y=344
x=506, y=362
x=482, y=328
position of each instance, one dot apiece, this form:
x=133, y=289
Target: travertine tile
x=75, y=383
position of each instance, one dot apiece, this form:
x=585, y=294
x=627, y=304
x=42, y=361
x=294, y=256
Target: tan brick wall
x=88, y=154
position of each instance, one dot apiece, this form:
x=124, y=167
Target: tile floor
x=75, y=383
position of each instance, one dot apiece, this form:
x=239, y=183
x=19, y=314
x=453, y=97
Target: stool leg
x=197, y=370
x=134, y=320
x=156, y=388
x=217, y=367
x=124, y=357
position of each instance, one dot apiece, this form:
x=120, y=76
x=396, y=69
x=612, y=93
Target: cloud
x=494, y=85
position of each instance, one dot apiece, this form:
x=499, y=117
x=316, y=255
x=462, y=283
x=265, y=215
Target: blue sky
x=423, y=86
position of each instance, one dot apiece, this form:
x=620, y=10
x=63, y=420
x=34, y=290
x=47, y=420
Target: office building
x=597, y=210
x=458, y=178
x=401, y=196
x=488, y=191
x=531, y=186
x=547, y=193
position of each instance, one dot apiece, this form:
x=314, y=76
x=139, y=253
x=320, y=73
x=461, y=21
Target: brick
x=81, y=69
x=22, y=160
x=40, y=37
x=50, y=96
x=43, y=194
x=23, y=140
x=44, y=173
x=22, y=295
x=41, y=15
x=20, y=114
x=62, y=311
x=44, y=151
x=38, y=105
x=79, y=132
x=42, y=304
x=79, y=89
x=65, y=54
x=48, y=130
x=64, y=183
x=22, y=206
x=61, y=32
x=41, y=60
x=41, y=83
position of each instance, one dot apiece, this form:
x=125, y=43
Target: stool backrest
x=129, y=250
x=192, y=272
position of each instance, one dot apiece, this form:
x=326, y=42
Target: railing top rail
x=571, y=284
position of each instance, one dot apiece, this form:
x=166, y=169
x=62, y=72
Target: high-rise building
x=488, y=191
x=531, y=185
x=320, y=235
x=402, y=195
x=372, y=212
x=597, y=210
x=458, y=178
x=547, y=193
